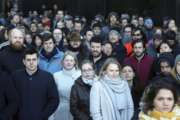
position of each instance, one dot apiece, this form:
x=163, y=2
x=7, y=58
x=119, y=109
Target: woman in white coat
x=64, y=80
x=110, y=97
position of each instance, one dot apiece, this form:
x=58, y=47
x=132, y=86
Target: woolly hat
x=166, y=57
x=177, y=59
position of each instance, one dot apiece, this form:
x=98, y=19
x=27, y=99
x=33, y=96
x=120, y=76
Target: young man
x=37, y=90
x=50, y=56
x=96, y=53
x=141, y=62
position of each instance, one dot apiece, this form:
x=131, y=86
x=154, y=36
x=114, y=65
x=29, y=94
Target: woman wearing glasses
x=80, y=92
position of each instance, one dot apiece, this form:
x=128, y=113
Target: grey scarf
x=117, y=85
x=118, y=91
x=115, y=88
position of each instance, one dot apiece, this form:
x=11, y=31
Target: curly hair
x=152, y=90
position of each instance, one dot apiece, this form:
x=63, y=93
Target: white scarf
x=89, y=81
x=69, y=72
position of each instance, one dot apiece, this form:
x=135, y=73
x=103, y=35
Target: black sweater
x=11, y=60
x=38, y=95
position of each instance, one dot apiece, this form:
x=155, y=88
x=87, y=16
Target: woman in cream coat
x=64, y=80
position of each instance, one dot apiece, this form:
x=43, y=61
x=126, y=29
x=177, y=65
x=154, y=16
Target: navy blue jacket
x=37, y=93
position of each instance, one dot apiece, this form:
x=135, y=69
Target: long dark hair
x=135, y=78
x=136, y=89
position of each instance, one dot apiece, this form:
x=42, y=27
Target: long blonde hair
x=107, y=63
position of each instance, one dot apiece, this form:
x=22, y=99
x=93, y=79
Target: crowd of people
x=55, y=66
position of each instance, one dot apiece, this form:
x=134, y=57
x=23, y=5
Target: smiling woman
x=64, y=80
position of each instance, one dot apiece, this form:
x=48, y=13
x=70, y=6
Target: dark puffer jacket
x=79, y=100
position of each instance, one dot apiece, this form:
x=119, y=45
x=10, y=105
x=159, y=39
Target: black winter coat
x=80, y=100
x=11, y=60
x=8, y=98
x=37, y=93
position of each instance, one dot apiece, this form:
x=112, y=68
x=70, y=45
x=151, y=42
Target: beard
x=138, y=55
x=96, y=54
x=17, y=46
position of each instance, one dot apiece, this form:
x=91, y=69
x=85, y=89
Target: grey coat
x=102, y=107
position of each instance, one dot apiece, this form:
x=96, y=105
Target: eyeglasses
x=87, y=70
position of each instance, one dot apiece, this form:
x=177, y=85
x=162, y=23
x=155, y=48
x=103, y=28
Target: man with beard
x=141, y=62
x=11, y=56
x=127, y=34
x=96, y=53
